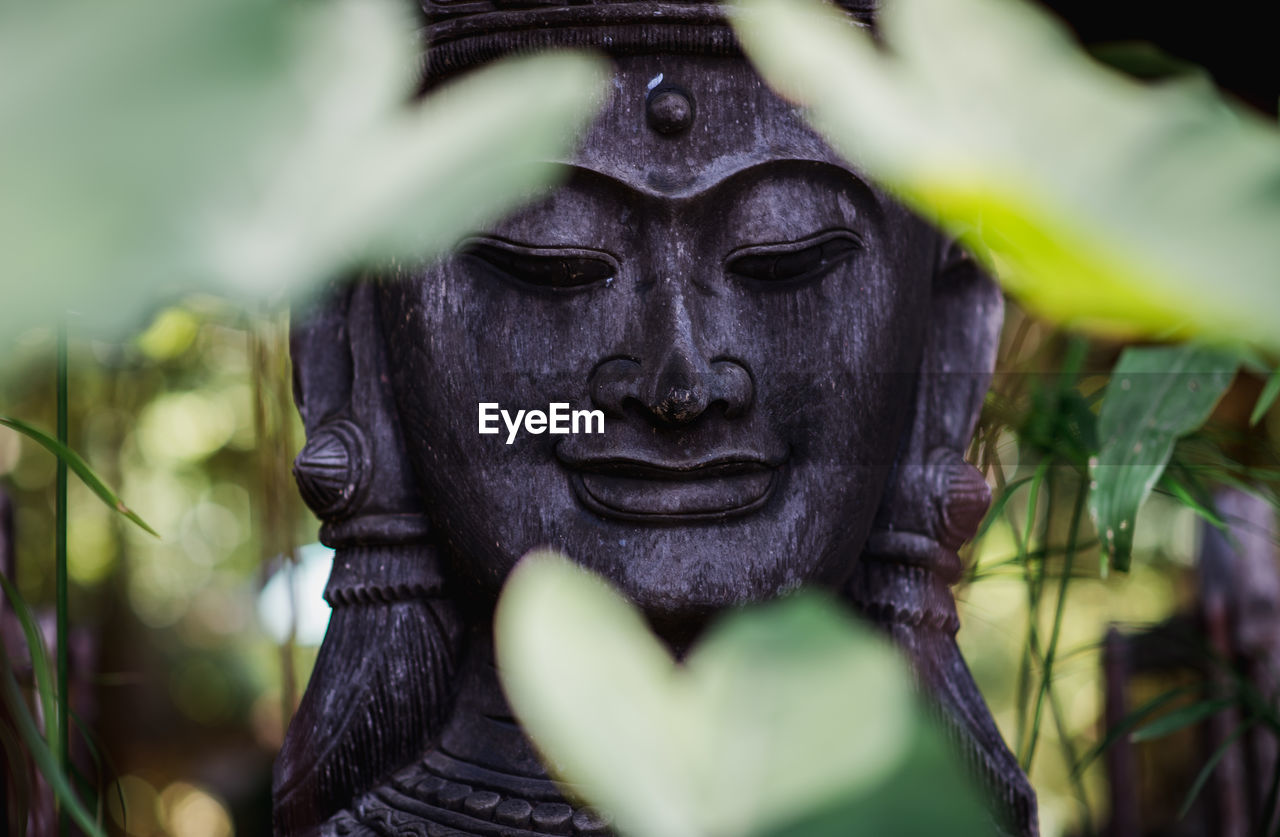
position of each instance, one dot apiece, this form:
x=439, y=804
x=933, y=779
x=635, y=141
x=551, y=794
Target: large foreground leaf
x=1156, y=395
x=788, y=719
x=246, y=146
x=1099, y=201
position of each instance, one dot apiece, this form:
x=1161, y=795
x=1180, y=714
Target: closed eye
x=554, y=268
x=793, y=262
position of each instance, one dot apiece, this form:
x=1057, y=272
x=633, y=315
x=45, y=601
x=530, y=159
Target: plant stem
x=1032, y=651
x=60, y=559
x=1273, y=797
x=1051, y=653
x=1070, y=756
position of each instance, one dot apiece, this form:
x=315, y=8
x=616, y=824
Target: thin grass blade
x=1180, y=491
x=19, y=781
x=1133, y=719
x=1207, y=770
x=41, y=753
x=81, y=468
x=1181, y=718
x=98, y=754
x=1268, y=397
x=997, y=506
x=39, y=654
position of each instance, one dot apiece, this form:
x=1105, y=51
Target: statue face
x=746, y=312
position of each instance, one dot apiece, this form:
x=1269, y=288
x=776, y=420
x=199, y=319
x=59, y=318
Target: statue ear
x=352, y=471
x=936, y=500
x=935, y=503
x=388, y=657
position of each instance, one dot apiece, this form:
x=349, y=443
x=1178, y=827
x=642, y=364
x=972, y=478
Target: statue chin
x=787, y=365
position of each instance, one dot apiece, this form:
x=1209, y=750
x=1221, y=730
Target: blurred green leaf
x=1268, y=397
x=247, y=147
x=997, y=506
x=38, y=652
x=1186, y=493
x=81, y=469
x=1061, y=424
x=785, y=719
x=1156, y=395
x=41, y=751
x=1145, y=60
x=1101, y=202
x=103, y=767
x=1129, y=721
x=1181, y=718
x=1207, y=769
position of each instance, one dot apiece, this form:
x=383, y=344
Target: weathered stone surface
x=790, y=365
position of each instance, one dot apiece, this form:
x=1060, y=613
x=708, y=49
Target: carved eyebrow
x=867, y=197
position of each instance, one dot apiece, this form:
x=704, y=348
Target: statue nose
x=674, y=391
x=673, y=380
x=680, y=391
x=681, y=406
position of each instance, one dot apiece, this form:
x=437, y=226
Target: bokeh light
x=188, y=811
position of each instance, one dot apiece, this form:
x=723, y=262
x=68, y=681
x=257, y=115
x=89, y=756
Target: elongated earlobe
x=935, y=503
x=382, y=682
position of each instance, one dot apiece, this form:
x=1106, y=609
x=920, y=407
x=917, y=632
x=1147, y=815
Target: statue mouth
x=674, y=492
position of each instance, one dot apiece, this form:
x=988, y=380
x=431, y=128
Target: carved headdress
x=463, y=33
x=370, y=709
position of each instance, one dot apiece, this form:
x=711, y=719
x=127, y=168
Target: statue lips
x=652, y=491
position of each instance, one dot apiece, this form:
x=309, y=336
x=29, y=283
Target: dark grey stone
x=790, y=365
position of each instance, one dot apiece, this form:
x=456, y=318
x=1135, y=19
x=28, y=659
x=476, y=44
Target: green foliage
x=1180, y=718
x=46, y=693
x=1147, y=61
x=42, y=747
x=1156, y=395
x=1233, y=691
x=81, y=469
x=1206, y=770
x=246, y=147
x=1125, y=726
x=1061, y=424
x=250, y=147
x=1270, y=391
x=1160, y=229
x=786, y=719
x=1100, y=202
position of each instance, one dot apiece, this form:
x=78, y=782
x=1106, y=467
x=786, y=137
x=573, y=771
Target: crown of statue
x=462, y=33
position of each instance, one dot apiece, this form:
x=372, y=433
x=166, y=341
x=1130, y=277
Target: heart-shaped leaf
x=789, y=718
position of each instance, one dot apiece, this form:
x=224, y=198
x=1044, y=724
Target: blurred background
x=189, y=652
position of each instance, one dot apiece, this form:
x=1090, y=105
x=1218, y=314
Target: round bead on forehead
x=679, y=124
x=669, y=109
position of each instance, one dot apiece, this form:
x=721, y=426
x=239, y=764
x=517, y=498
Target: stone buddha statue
x=789, y=365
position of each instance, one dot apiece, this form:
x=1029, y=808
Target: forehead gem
x=669, y=110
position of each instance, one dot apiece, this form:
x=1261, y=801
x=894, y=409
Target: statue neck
x=481, y=776
x=482, y=732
